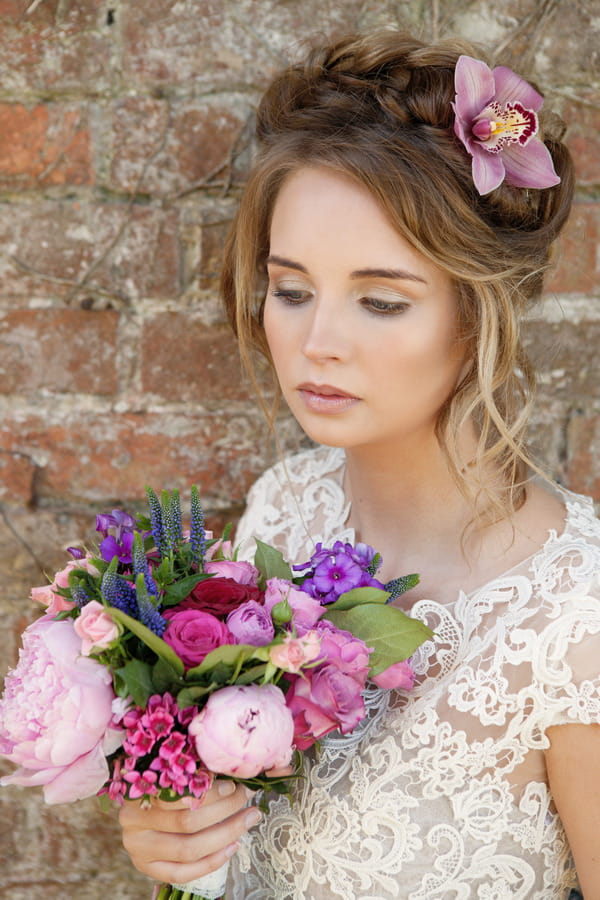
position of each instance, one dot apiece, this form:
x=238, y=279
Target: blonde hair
x=378, y=108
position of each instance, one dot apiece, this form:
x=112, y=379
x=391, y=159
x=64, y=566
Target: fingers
x=171, y=842
x=181, y=858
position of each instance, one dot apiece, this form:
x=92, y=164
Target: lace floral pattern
x=443, y=792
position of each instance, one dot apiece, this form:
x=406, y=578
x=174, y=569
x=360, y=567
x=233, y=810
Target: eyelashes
x=377, y=306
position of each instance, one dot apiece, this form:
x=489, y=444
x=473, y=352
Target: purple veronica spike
x=496, y=120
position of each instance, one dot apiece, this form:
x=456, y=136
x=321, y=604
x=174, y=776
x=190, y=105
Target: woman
x=398, y=223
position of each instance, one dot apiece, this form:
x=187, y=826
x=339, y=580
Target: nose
x=326, y=335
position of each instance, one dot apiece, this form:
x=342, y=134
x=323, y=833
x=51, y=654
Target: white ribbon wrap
x=210, y=887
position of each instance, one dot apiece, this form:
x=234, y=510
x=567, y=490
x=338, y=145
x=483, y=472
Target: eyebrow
x=395, y=274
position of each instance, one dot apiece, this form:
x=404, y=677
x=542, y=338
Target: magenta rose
x=193, y=633
x=306, y=610
x=321, y=700
x=251, y=623
x=244, y=730
x=219, y=596
x=56, y=717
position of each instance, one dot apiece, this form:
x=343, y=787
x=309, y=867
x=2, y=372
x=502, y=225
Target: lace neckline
x=572, y=506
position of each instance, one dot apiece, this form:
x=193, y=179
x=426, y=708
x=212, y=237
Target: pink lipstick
x=325, y=398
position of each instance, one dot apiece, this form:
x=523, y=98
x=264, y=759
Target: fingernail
x=231, y=849
x=225, y=788
x=253, y=817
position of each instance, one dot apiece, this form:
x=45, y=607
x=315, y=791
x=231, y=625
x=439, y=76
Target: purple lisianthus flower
x=496, y=121
x=251, y=623
x=120, y=543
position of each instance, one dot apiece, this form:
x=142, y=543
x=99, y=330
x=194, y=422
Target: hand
x=172, y=843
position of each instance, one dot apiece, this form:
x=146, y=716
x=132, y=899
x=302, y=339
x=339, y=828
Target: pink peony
x=238, y=570
x=295, y=653
x=193, y=633
x=306, y=610
x=399, y=676
x=244, y=730
x=96, y=627
x=251, y=623
x=56, y=719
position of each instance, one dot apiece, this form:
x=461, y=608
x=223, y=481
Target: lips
x=326, y=390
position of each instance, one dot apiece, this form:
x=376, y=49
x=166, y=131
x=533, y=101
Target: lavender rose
x=193, y=633
x=306, y=610
x=244, y=730
x=56, y=720
x=251, y=623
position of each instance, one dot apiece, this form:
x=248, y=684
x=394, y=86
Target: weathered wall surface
x=123, y=146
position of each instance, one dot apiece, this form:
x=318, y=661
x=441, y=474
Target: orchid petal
x=510, y=87
x=475, y=87
x=530, y=166
x=488, y=170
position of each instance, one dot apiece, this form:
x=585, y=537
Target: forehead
x=322, y=214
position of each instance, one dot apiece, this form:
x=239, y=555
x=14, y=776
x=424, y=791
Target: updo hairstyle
x=378, y=109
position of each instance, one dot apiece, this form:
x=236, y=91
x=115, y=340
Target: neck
x=405, y=503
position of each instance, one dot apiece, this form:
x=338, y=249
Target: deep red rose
x=219, y=596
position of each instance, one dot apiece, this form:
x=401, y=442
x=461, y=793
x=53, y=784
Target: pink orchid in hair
x=496, y=121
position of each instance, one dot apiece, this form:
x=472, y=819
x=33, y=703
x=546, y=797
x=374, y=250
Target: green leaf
x=160, y=647
x=165, y=678
x=190, y=695
x=230, y=656
x=359, y=596
x=136, y=676
x=392, y=634
x=270, y=563
x=252, y=675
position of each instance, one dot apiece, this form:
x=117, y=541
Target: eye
x=384, y=307
x=291, y=297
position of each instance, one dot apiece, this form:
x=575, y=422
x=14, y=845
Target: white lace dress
x=443, y=794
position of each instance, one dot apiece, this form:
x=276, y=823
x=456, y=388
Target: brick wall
x=123, y=146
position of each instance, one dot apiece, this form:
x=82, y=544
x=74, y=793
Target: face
x=360, y=325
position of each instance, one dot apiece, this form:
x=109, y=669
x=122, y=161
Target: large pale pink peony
x=56, y=720
x=244, y=730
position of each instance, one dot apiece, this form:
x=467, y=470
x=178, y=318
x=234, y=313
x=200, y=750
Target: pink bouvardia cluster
x=164, y=661
x=496, y=120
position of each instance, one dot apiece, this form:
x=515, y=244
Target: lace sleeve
x=567, y=664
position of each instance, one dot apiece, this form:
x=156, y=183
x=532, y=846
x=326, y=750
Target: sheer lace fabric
x=443, y=792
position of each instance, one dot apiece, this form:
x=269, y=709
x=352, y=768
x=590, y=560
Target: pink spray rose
x=399, y=676
x=296, y=652
x=306, y=610
x=56, y=719
x=193, y=633
x=348, y=653
x=238, y=570
x=243, y=730
x=96, y=627
x=251, y=623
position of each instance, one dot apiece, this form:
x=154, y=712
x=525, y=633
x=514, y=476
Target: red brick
x=42, y=146
x=61, y=350
x=583, y=469
x=577, y=268
x=186, y=360
x=212, y=243
x=17, y=476
x=582, y=116
x=60, y=46
x=103, y=459
x=565, y=355
x=136, y=248
x=172, y=145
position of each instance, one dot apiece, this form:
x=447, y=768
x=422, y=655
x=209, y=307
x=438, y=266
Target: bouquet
x=162, y=661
